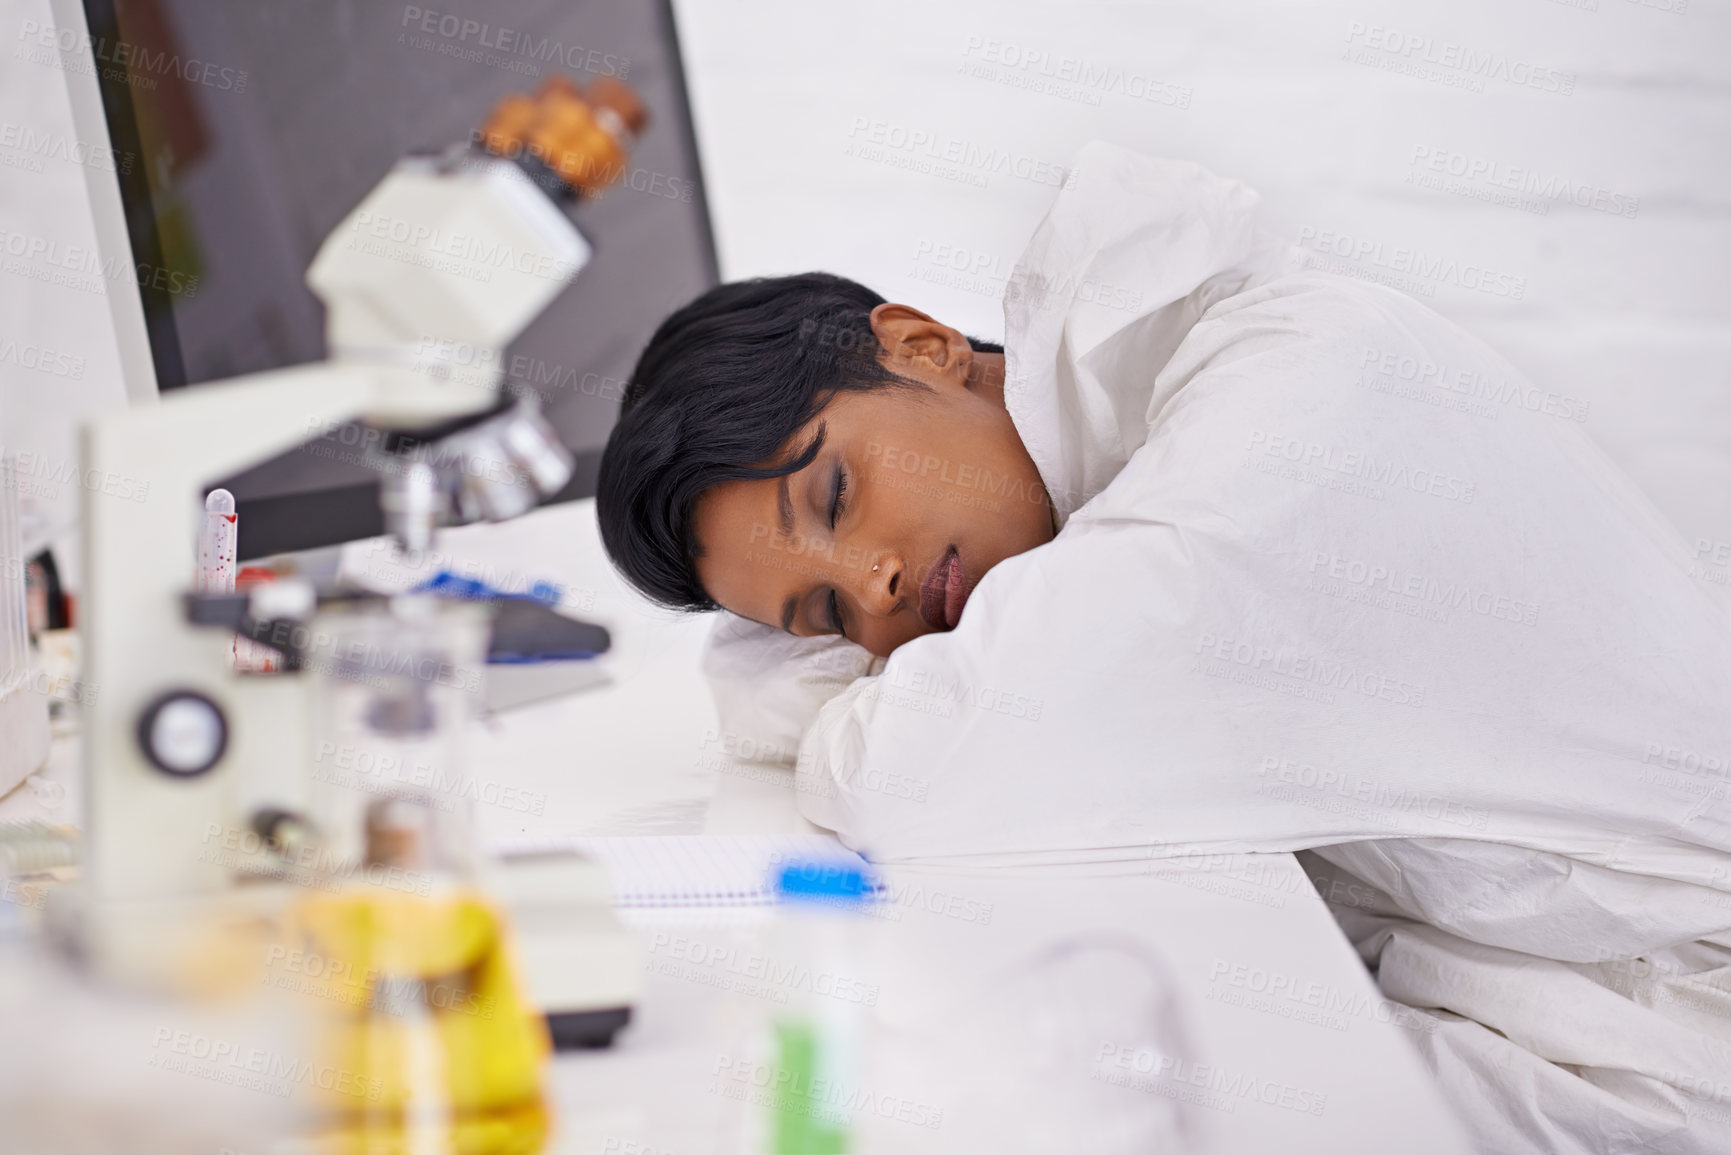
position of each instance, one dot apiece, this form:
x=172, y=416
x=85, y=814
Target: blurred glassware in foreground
x=1074, y=1047
x=423, y=1005
x=421, y=1011
x=24, y=730
x=818, y=1036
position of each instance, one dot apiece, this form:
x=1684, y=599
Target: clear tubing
x=14, y=616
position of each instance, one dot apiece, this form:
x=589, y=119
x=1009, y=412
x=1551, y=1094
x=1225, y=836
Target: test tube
x=216, y=541
x=816, y=1048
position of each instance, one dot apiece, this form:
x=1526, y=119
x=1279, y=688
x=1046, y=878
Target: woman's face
x=913, y=497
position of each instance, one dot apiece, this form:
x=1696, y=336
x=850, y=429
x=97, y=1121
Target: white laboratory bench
x=1276, y=1037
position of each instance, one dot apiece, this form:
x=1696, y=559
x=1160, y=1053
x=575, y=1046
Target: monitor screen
x=257, y=127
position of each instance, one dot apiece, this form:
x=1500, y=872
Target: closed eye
x=838, y=497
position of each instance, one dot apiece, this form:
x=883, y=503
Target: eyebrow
x=784, y=504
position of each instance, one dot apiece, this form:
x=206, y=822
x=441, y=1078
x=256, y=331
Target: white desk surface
x=1270, y=995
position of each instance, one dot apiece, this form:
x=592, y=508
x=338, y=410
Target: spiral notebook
x=670, y=871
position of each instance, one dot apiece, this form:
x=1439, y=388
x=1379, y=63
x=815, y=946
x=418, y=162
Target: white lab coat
x=1331, y=573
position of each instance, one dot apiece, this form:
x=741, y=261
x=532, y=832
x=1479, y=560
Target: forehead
x=745, y=564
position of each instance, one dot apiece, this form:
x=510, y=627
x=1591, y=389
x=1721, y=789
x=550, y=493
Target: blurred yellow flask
x=430, y=1045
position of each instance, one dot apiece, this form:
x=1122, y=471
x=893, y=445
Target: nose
x=885, y=583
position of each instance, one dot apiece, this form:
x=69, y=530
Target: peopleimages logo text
x=1532, y=182
x=138, y=59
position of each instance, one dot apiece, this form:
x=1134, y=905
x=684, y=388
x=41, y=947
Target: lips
x=944, y=592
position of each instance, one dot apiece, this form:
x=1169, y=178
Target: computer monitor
x=249, y=130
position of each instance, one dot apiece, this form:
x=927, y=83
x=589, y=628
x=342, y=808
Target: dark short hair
x=726, y=383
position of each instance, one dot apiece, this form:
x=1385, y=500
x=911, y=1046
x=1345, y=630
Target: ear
x=917, y=346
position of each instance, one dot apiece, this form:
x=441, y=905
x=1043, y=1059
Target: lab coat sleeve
x=1564, y=1055
x=769, y=685
x=1531, y=901
x=832, y=750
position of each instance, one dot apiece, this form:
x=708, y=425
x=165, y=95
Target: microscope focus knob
x=183, y=733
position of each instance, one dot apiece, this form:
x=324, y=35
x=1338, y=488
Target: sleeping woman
x=1217, y=554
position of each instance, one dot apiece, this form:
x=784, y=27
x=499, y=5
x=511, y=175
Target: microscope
x=202, y=791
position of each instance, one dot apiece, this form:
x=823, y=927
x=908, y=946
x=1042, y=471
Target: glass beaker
x=400, y=681
x=1065, y=1048
x=435, y=1048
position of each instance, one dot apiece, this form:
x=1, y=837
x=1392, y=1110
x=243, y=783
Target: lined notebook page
x=660, y=871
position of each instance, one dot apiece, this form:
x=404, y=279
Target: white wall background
x=1632, y=314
